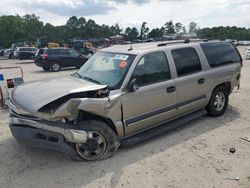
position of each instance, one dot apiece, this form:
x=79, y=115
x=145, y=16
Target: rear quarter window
x=51, y=52
x=219, y=54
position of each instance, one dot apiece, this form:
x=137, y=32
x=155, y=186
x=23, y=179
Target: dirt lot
x=195, y=155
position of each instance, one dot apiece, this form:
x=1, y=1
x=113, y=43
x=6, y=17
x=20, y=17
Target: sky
x=207, y=13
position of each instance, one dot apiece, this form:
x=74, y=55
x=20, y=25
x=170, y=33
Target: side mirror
x=133, y=86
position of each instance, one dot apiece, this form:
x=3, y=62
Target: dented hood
x=31, y=96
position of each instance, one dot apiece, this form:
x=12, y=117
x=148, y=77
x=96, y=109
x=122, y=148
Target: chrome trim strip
x=156, y=112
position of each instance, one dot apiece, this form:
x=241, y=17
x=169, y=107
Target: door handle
x=201, y=81
x=171, y=89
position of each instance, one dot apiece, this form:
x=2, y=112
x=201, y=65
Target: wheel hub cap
x=93, y=148
x=219, y=101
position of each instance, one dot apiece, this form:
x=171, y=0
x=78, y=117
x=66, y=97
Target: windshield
x=106, y=68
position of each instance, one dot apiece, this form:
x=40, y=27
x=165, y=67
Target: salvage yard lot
x=194, y=155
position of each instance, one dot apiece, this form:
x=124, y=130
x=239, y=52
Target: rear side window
x=50, y=52
x=186, y=61
x=219, y=54
x=152, y=68
x=63, y=52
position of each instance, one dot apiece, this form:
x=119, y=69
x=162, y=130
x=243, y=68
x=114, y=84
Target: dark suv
x=56, y=58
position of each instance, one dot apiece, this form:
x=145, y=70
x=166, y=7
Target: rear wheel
x=102, y=141
x=55, y=67
x=218, y=102
x=11, y=56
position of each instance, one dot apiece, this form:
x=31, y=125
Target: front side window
x=219, y=53
x=152, y=68
x=186, y=61
x=73, y=53
x=51, y=51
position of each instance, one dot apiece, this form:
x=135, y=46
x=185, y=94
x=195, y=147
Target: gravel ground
x=195, y=155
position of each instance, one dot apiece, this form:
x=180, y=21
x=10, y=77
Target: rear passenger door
x=191, y=81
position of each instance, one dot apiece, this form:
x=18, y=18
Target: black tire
x=55, y=67
x=218, y=110
x=11, y=56
x=111, y=144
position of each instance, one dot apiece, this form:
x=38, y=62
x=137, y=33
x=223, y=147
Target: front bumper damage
x=47, y=135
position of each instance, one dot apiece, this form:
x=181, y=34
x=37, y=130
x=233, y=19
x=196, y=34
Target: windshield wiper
x=92, y=80
x=76, y=74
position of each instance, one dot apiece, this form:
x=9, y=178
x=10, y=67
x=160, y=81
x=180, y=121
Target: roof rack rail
x=186, y=41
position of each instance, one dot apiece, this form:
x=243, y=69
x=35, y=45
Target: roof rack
x=186, y=41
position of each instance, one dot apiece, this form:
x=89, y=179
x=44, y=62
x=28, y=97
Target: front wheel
x=102, y=141
x=218, y=102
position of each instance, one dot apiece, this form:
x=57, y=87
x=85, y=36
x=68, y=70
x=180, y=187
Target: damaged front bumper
x=71, y=135
x=48, y=135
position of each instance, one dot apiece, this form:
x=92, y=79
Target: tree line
x=15, y=28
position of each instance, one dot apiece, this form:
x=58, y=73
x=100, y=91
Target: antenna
x=131, y=48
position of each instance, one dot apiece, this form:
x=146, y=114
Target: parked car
x=9, y=53
x=2, y=52
x=247, y=53
x=25, y=53
x=123, y=95
x=56, y=58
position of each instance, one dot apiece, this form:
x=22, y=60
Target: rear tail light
x=45, y=56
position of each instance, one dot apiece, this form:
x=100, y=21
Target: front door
x=65, y=58
x=154, y=102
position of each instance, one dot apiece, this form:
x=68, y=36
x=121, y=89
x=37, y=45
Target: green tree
x=131, y=34
x=178, y=27
x=169, y=27
x=144, y=31
x=115, y=29
x=11, y=30
x=193, y=27
x=154, y=33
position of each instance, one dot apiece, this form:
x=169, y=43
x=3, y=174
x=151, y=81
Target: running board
x=142, y=136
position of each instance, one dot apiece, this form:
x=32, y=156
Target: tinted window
x=73, y=53
x=64, y=52
x=186, y=61
x=50, y=52
x=220, y=53
x=26, y=49
x=152, y=68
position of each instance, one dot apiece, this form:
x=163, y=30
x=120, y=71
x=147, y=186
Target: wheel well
x=227, y=85
x=86, y=116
